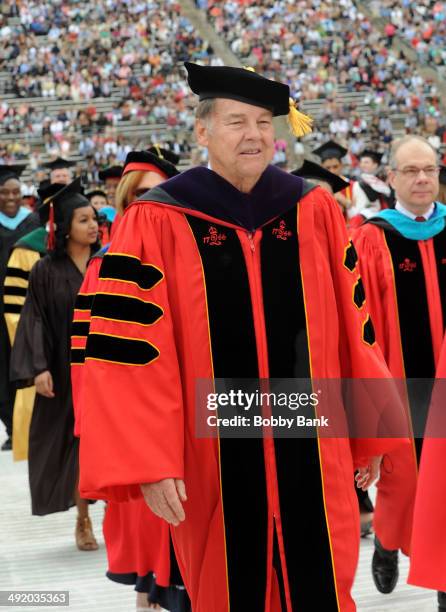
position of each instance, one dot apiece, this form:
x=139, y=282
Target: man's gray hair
x=396, y=146
x=205, y=110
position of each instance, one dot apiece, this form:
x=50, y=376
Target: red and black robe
x=405, y=283
x=201, y=282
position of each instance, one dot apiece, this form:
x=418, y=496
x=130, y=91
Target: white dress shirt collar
x=427, y=215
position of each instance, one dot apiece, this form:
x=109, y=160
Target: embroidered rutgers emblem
x=281, y=232
x=215, y=238
x=407, y=265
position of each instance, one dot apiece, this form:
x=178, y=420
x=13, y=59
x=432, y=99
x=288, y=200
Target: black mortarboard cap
x=46, y=190
x=59, y=206
x=238, y=84
x=110, y=172
x=375, y=155
x=310, y=170
x=58, y=163
x=10, y=171
x=139, y=160
x=330, y=150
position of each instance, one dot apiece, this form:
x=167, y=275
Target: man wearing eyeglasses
x=403, y=266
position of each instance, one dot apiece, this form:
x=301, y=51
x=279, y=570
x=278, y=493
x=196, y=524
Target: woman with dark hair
x=41, y=356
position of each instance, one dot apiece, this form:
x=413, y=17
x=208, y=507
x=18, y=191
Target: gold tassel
x=300, y=124
x=160, y=155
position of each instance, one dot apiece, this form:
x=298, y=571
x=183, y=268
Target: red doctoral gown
x=403, y=278
x=203, y=281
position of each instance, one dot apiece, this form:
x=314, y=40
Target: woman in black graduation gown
x=15, y=222
x=41, y=355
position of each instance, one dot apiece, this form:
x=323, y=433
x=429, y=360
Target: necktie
x=420, y=219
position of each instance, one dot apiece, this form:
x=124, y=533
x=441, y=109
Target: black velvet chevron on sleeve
x=130, y=269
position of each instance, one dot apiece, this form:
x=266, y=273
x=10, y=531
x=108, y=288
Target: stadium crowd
x=130, y=50
x=421, y=24
x=319, y=46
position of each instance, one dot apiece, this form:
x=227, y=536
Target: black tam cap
x=48, y=190
x=310, y=170
x=110, y=172
x=330, y=150
x=238, y=84
x=10, y=172
x=151, y=160
x=166, y=154
x=58, y=163
x=375, y=155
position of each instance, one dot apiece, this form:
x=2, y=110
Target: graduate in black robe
x=15, y=221
x=41, y=356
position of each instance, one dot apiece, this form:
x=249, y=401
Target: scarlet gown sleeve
x=361, y=358
x=132, y=408
x=377, y=274
x=79, y=334
x=31, y=349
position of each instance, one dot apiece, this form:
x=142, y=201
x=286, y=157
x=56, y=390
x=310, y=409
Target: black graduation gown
x=7, y=240
x=43, y=343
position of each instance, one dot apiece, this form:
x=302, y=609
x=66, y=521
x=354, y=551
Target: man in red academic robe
x=237, y=271
x=428, y=556
x=403, y=255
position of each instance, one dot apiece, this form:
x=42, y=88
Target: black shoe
x=384, y=568
x=441, y=598
x=7, y=445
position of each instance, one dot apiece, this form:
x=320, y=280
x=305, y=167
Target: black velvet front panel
x=242, y=462
x=306, y=539
x=416, y=337
x=412, y=306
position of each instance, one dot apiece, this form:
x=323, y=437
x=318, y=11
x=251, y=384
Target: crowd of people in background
x=318, y=47
x=421, y=24
x=127, y=52
x=130, y=53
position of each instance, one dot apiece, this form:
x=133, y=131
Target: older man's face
x=240, y=140
x=415, y=178
x=61, y=175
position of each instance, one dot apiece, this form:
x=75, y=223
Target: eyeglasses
x=412, y=172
